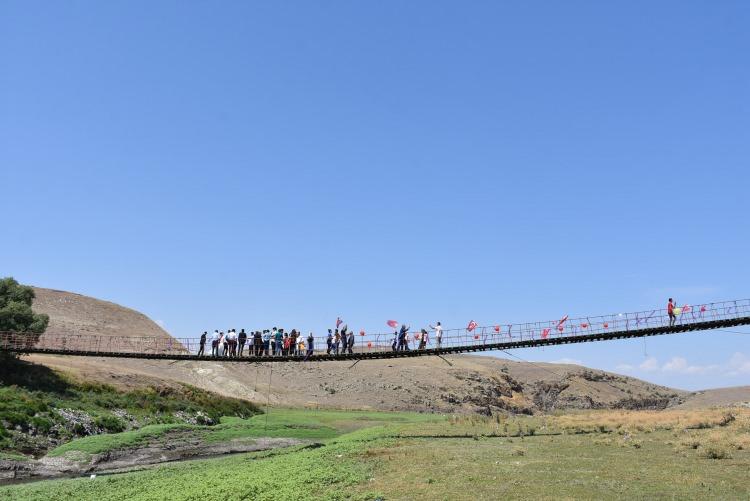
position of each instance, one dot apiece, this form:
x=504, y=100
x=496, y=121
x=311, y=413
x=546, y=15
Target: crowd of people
x=276, y=342
x=266, y=343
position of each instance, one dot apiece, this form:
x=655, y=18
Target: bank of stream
x=172, y=447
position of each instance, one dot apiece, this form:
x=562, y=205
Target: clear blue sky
x=246, y=164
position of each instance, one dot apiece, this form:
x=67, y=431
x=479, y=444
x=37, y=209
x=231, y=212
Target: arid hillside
x=470, y=384
x=75, y=314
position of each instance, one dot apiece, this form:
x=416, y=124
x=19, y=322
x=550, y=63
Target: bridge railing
x=373, y=342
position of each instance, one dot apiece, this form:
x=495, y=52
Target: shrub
x=110, y=423
x=716, y=452
x=14, y=418
x=726, y=419
x=41, y=424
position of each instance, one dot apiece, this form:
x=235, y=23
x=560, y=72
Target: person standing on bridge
x=258, y=343
x=215, y=344
x=438, y=334
x=293, y=341
x=279, y=342
x=202, y=344
x=287, y=344
x=350, y=343
x=423, y=338
x=250, y=343
x=344, y=339
x=329, y=342
x=242, y=339
x=310, y=347
x=232, y=342
x=403, y=338
x=266, y=342
x=336, y=342
x=670, y=312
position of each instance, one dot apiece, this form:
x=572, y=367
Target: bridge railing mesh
x=386, y=341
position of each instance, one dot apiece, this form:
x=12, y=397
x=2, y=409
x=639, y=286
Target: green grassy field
x=597, y=455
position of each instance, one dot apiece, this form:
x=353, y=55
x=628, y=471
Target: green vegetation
x=96, y=444
x=283, y=423
x=622, y=455
x=12, y=457
x=15, y=310
x=38, y=402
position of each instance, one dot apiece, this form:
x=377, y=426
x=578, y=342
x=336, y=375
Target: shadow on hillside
x=30, y=376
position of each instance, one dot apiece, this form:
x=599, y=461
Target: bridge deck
x=378, y=346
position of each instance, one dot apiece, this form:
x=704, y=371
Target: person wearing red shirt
x=670, y=312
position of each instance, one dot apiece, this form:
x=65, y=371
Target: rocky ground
x=176, y=446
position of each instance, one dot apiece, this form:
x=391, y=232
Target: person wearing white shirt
x=438, y=334
x=232, y=342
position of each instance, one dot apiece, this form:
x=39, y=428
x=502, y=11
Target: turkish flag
x=497, y=328
x=472, y=325
x=545, y=333
x=392, y=323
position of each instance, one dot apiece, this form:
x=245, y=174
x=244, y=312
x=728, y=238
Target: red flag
x=362, y=333
x=392, y=323
x=338, y=322
x=562, y=321
x=369, y=344
x=606, y=325
x=497, y=328
x=472, y=325
x=545, y=333
x=476, y=336
x=703, y=309
x=584, y=325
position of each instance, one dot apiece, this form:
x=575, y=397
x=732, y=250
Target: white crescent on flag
x=472, y=325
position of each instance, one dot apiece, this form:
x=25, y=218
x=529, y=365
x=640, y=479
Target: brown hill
x=719, y=397
x=74, y=314
x=471, y=384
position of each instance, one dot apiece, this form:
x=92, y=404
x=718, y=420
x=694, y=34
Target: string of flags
x=559, y=325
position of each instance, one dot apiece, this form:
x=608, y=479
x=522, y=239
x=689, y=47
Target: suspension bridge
x=694, y=318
